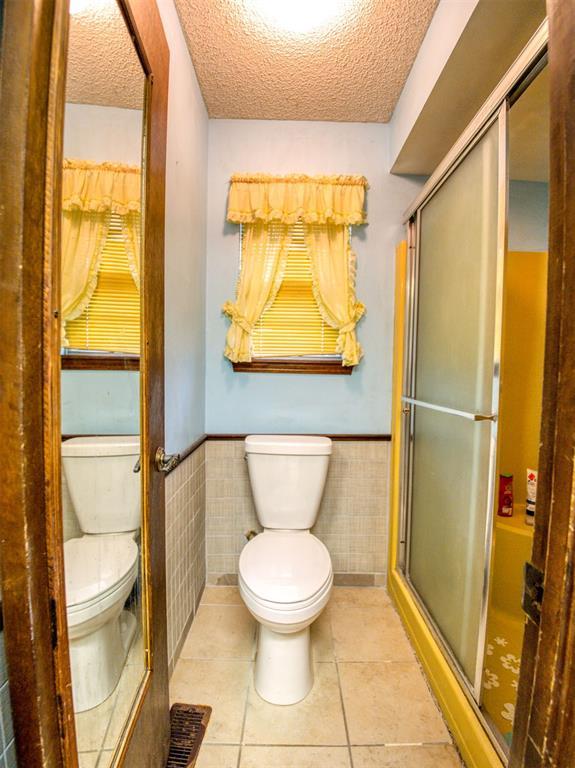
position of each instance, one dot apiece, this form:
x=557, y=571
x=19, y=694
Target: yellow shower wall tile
x=352, y=521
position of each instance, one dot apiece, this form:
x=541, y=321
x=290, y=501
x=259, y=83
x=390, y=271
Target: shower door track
x=500, y=746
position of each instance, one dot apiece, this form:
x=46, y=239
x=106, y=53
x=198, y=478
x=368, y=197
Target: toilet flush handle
x=165, y=462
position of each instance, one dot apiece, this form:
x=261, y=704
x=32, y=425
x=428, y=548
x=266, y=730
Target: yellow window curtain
x=131, y=230
x=268, y=207
x=261, y=274
x=333, y=275
x=293, y=325
x=91, y=193
x=311, y=199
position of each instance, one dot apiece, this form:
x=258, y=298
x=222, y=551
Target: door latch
x=165, y=462
x=532, y=592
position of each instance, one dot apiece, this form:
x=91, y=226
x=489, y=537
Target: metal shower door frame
x=408, y=400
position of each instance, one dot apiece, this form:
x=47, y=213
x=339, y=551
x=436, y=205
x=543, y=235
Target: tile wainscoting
x=7, y=746
x=185, y=546
x=352, y=521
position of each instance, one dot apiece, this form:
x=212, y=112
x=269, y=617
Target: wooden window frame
x=96, y=362
x=297, y=365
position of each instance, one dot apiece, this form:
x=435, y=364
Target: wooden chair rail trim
x=204, y=438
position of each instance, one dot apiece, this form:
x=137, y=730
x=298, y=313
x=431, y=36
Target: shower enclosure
x=451, y=396
x=450, y=402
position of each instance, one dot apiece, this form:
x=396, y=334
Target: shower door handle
x=165, y=462
x=452, y=411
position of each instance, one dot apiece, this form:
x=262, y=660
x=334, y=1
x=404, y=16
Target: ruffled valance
x=101, y=187
x=287, y=199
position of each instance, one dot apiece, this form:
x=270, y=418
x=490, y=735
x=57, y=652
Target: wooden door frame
x=32, y=85
x=543, y=733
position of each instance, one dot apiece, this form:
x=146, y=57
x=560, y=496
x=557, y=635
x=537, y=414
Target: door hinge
x=53, y=623
x=532, y=592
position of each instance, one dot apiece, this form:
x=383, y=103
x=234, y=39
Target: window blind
x=293, y=325
x=111, y=322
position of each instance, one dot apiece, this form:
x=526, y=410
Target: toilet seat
x=285, y=578
x=97, y=569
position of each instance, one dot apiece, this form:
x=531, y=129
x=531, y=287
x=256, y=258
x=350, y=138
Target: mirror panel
x=101, y=340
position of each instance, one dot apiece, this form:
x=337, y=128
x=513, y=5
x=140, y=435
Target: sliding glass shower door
x=450, y=398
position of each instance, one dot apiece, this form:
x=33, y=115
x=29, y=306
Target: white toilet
x=285, y=573
x=101, y=566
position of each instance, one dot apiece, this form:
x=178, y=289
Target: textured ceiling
x=103, y=67
x=350, y=68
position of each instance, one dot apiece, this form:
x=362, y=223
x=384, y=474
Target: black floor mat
x=188, y=725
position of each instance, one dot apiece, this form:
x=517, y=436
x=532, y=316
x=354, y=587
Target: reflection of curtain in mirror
x=132, y=236
x=83, y=236
x=91, y=193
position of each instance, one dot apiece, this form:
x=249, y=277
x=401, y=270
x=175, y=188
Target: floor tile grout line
x=243, y=724
x=100, y=749
x=349, y=752
x=248, y=687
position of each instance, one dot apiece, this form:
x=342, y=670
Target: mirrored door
x=450, y=398
x=101, y=311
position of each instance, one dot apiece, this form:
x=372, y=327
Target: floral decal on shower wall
x=501, y=675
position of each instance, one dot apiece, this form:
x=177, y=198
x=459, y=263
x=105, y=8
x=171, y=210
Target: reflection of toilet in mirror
x=102, y=475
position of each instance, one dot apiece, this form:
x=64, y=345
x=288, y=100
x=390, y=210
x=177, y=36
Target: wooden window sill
x=272, y=365
x=100, y=362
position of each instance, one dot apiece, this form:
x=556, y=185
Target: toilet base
x=97, y=660
x=284, y=672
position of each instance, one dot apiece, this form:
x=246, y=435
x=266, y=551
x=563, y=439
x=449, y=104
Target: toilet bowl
x=285, y=580
x=101, y=567
x=285, y=573
x=100, y=573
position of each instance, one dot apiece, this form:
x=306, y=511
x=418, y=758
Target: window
x=111, y=322
x=293, y=325
x=295, y=308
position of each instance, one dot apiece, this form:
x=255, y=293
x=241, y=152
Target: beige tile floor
x=98, y=730
x=370, y=706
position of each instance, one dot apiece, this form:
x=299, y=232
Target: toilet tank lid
x=298, y=445
x=102, y=445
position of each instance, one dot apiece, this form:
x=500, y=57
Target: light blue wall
x=103, y=134
x=359, y=403
x=185, y=271
x=100, y=403
x=528, y=216
x=108, y=402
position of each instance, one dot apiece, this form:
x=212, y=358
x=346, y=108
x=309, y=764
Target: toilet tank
x=105, y=490
x=287, y=475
